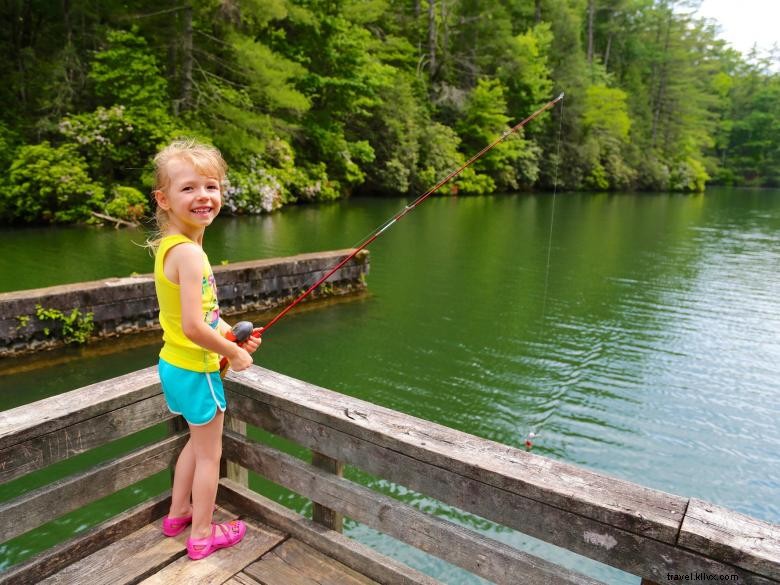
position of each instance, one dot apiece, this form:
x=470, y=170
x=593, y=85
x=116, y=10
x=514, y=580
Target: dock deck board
x=295, y=563
x=266, y=556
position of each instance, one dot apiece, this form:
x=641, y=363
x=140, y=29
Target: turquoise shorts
x=194, y=395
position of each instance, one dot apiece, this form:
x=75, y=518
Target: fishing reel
x=240, y=334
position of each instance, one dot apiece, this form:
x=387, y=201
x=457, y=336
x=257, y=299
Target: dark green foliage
x=312, y=100
x=49, y=184
x=126, y=73
x=128, y=203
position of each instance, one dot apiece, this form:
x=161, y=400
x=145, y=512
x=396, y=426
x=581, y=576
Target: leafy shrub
x=116, y=142
x=654, y=174
x=313, y=184
x=128, y=203
x=688, y=175
x=49, y=184
x=76, y=326
x=7, y=147
x=597, y=179
x=438, y=157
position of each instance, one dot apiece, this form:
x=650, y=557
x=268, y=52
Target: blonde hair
x=206, y=160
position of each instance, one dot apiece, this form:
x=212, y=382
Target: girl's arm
x=187, y=262
x=223, y=327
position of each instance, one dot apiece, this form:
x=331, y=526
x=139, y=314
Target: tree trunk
x=591, y=12
x=445, y=35
x=186, y=86
x=538, y=12
x=606, y=51
x=173, y=59
x=66, y=21
x=661, y=91
x=432, y=37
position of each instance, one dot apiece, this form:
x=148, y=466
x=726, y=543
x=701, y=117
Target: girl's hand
x=254, y=341
x=239, y=359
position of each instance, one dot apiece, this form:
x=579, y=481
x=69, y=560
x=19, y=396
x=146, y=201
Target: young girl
x=188, y=191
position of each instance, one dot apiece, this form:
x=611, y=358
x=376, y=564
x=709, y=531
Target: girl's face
x=192, y=200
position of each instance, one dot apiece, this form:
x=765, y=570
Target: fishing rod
x=244, y=329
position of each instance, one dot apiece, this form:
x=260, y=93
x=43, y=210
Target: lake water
x=640, y=339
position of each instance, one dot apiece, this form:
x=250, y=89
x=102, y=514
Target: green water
x=641, y=340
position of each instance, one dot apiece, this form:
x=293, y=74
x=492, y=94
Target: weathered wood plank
x=63, y=496
x=631, y=552
x=128, y=560
x=461, y=546
x=60, y=556
x=609, y=500
x=321, y=514
x=223, y=564
x=732, y=537
x=295, y=563
x=333, y=544
x=43, y=450
x=21, y=424
x=241, y=579
x=231, y=469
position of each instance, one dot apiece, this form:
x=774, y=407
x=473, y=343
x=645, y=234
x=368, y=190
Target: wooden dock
x=648, y=533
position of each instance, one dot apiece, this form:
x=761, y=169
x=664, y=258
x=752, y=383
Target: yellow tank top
x=177, y=348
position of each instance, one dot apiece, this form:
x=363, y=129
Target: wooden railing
x=639, y=530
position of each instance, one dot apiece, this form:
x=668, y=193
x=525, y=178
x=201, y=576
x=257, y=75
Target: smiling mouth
x=201, y=210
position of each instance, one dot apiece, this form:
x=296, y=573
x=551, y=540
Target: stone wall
x=125, y=305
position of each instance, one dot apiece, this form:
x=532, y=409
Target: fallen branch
x=116, y=220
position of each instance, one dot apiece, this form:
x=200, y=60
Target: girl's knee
x=209, y=452
x=207, y=441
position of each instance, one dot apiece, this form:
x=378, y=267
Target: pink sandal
x=174, y=526
x=231, y=533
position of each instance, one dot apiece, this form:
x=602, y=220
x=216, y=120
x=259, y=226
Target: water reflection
x=650, y=349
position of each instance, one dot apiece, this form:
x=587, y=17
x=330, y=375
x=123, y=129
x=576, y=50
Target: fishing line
x=387, y=224
x=552, y=218
x=533, y=434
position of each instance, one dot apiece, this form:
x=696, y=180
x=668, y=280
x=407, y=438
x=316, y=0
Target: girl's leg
x=182, y=482
x=206, y=443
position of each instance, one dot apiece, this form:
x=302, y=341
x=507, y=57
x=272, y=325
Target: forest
x=317, y=100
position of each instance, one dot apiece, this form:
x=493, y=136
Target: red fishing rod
x=244, y=329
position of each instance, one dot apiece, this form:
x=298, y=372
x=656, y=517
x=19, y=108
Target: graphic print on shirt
x=210, y=304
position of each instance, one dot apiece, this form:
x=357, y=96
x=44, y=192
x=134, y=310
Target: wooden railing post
x=320, y=514
x=228, y=469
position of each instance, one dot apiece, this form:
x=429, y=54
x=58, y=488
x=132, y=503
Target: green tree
x=606, y=123
x=119, y=140
x=511, y=162
x=311, y=100
x=749, y=148
x=126, y=73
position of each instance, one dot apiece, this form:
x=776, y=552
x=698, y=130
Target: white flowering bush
x=99, y=132
x=254, y=190
x=272, y=180
x=116, y=142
